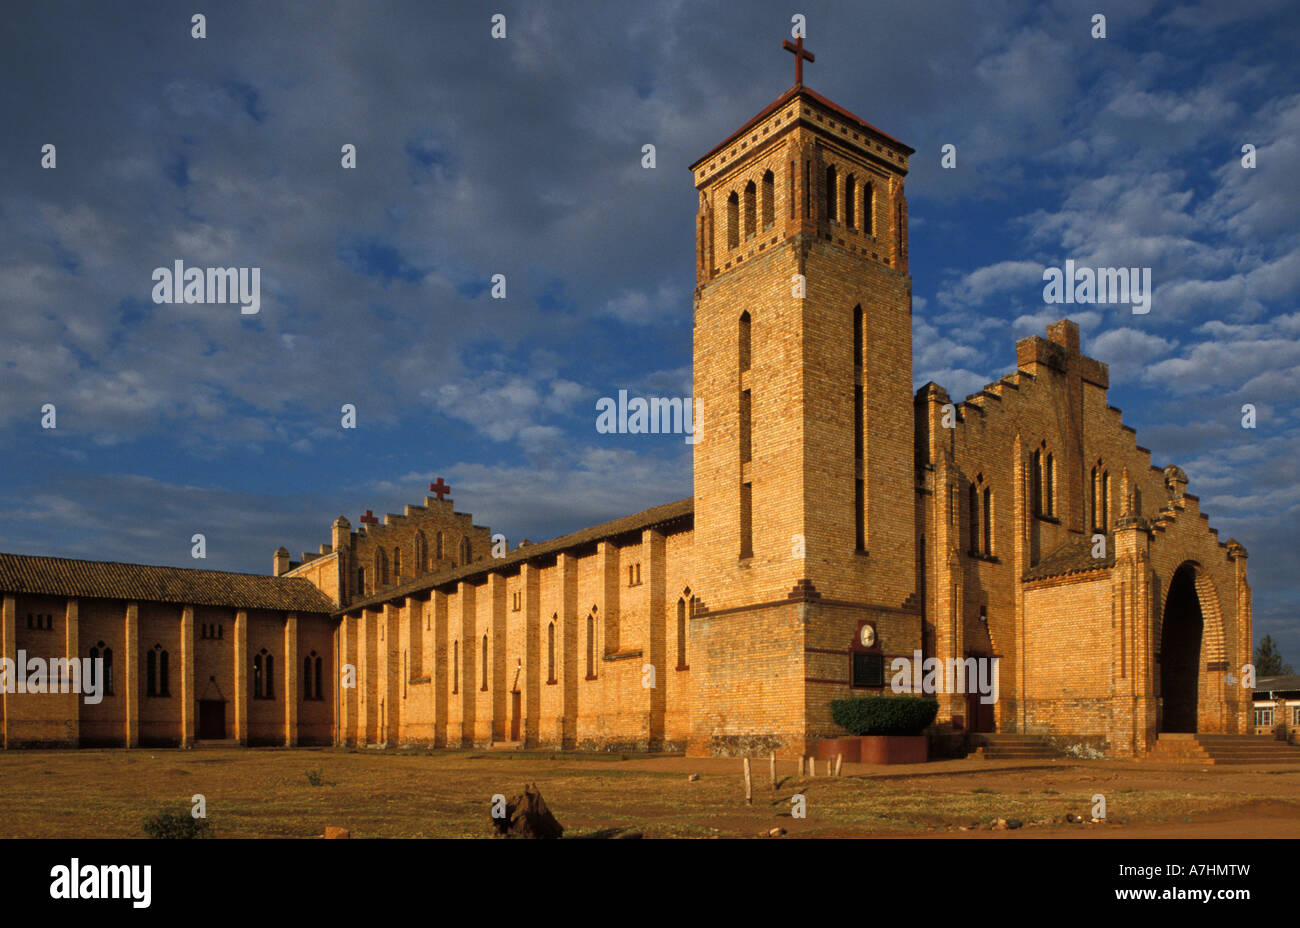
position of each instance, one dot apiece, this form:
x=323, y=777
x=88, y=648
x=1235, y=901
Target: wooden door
x=516, y=700
x=212, y=719
x=978, y=713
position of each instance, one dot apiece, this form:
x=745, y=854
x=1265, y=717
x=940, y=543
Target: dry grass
x=445, y=794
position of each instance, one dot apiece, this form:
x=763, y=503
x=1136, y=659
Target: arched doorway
x=1180, y=653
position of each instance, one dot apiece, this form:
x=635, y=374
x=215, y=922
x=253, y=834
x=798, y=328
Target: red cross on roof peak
x=439, y=489
x=369, y=517
x=800, y=56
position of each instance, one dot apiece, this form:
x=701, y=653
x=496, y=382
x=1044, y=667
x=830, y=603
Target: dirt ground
x=416, y=793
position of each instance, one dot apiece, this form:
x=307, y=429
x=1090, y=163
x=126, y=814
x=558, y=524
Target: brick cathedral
x=828, y=497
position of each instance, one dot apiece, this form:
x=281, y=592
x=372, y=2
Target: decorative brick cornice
x=804, y=592
x=1131, y=521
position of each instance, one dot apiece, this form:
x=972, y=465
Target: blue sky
x=522, y=156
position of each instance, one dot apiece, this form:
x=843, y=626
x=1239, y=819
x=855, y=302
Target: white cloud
x=1037, y=323
x=978, y=286
x=1127, y=351
x=637, y=307
x=1225, y=365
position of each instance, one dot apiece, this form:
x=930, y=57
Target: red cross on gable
x=800, y=56
x=439, y=489
x=369, y=517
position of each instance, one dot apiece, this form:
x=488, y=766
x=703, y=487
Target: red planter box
x=851, y=748
x=894, y=749
x=876, y=749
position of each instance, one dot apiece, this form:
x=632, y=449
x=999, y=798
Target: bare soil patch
x=267, y=792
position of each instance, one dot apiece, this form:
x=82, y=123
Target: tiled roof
x=1073, y=557
x=59, y=576
x=781, y=101
x=658, y=515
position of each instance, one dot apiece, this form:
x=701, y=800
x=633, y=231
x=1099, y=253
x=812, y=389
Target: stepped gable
x=377, y=556
x=1180, y=503
x=649, y=518
x=57, y=576
x=1010, y=399
x=431, y=512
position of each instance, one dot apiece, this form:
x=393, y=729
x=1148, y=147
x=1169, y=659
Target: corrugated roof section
x=1288, y=683
x=58, y=576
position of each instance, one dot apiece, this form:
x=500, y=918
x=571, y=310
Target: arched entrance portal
x=1180, y=653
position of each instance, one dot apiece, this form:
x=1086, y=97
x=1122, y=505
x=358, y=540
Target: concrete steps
x=998, y=746
x=1222, y=749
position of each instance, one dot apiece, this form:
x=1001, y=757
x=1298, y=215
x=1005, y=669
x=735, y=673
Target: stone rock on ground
x=528, y=817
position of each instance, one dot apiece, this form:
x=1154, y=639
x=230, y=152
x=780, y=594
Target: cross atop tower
x=800, y=56
x=439, y=489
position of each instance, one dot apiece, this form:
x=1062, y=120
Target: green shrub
x=315, y=778
x=176, y=823
x=885, y=715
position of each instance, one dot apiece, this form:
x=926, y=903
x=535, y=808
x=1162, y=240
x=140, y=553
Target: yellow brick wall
x=65, y=718
x=322, y=573
x=1067, y=658
x=160, y=716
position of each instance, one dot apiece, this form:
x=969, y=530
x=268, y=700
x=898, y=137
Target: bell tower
x=805, y=489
